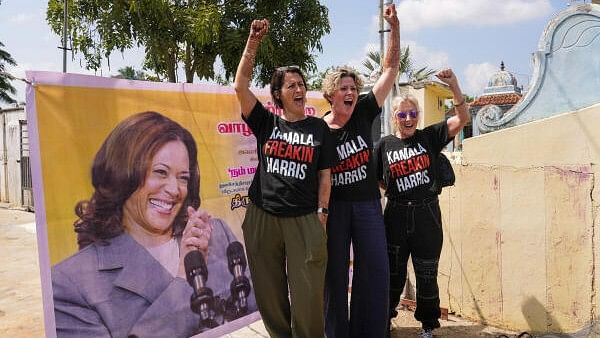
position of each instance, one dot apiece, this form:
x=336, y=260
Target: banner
x=69, y=118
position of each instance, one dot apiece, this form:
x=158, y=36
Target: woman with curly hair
x=143, y=218
x=355, y=215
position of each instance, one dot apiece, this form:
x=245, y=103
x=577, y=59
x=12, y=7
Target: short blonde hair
x=333, y=78
x=396, y=101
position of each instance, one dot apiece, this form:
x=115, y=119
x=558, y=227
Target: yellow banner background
x=74, y=121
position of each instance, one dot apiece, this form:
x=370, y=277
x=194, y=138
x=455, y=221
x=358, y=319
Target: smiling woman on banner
x=355, y=208
x=285, y=222
x=406, y=162
x=143, y=218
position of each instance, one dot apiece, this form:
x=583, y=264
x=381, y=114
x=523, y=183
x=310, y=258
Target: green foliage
x=373, y=64
x=131, y=73
x=192, y=34
x=5, y=78
x=315, y=80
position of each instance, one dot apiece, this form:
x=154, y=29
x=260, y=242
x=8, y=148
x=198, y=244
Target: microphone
x=237, y=305
x=202, y=300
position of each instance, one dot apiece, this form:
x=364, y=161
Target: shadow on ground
x=450, y=331
x=405, y=326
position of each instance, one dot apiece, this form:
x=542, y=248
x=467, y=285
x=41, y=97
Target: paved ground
x=21, y=313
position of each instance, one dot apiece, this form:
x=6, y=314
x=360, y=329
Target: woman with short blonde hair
x=406, y=162
x=396, y=101
x=355, y=215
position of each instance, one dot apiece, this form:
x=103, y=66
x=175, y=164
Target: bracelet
x=458, y=104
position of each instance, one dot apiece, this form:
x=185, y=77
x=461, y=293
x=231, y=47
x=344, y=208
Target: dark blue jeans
x=415, y=229
x=359, y=223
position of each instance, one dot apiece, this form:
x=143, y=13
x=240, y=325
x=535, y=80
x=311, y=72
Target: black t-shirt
x=353, y=176
x=407, y=165
x=290, y=156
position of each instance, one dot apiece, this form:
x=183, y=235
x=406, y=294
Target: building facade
x=500, y=95
x=16, y=188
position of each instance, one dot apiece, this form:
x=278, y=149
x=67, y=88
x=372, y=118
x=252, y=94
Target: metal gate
x=26, y=182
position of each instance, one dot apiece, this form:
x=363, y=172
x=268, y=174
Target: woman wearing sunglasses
x=406, y=162
x=355, y=208
x=284, y=226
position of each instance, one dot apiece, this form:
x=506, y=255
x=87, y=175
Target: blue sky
x=470, y=36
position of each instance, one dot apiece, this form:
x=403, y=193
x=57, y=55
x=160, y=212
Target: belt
x=412, y=203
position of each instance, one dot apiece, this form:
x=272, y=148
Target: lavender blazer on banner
x=120, y=290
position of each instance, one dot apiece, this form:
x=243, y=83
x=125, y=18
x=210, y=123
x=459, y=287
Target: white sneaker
x=426, y=333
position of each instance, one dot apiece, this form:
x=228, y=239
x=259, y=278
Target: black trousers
x=414, y=228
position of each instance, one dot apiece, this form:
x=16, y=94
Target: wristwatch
x=323, y=211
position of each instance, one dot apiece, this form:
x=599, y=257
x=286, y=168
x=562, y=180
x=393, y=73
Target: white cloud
x=23, y=18
x=420, y=55
x=477, y=77
x=425, y=57
x=356, y=59
x=417, y=14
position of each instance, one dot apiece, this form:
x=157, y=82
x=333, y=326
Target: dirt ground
x=21, y=312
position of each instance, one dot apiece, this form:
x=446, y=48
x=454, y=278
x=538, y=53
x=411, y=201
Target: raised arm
x=243, y=76
x=391, y=61
x=461, y=117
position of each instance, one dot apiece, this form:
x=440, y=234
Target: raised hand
x=390, y=15
x=447, y=76
x=258, y=29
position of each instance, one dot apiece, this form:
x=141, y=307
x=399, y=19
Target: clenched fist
x=258, y=29
x=391, y=16
x=447, y=76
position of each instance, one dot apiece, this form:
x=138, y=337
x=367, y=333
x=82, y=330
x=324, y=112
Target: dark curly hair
x=120, y=168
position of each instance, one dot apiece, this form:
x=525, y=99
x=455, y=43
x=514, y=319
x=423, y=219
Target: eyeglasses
x=404, y=114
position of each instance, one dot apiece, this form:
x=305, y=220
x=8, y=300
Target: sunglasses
x=404, y=114
x=288, y=68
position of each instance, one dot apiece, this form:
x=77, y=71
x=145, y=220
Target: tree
x=131, y=73
x=5, y=87
x=373, y=65
x=192, y=34
x=315, y=80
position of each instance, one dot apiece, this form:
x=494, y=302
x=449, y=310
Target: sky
x=470, y=36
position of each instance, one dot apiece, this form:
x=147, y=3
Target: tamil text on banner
x=115, y=286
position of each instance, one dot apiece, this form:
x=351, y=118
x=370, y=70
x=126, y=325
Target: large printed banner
x=69, y=118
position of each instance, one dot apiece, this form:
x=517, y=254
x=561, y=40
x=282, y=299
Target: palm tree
x=131, y=73
x=5, y=87
x=373, y=65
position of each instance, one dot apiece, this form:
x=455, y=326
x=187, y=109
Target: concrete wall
x=521, y=245
x=10, y=157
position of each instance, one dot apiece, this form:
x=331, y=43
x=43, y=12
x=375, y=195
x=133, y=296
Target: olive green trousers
x=282, y=252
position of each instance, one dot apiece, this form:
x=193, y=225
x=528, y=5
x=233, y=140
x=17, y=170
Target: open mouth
x=348, y=103
x=162, y=205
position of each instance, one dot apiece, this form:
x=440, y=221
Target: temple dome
x=502, y=78
x=502, y=81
